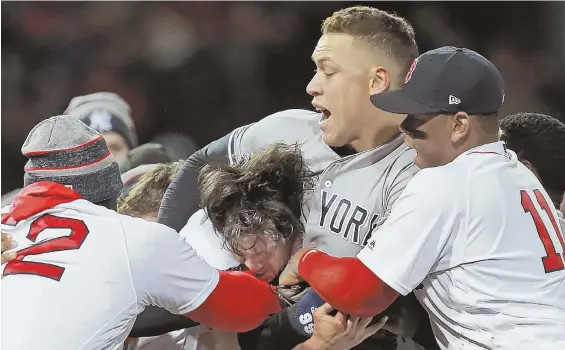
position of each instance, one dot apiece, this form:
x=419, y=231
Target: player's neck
x=474, y=141
x=375, y=137
x=481, y=139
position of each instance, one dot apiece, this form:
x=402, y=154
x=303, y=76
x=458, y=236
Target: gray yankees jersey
x=352, y=195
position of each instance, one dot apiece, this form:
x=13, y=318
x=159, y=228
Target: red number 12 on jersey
x=553, y=261
x=79, y=231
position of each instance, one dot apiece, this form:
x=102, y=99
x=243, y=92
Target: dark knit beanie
x=105, y=111
x=64, y=150
x=148, y=153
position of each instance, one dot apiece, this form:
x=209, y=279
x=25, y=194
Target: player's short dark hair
x=539, y=139
x=490, y=123
x=145, y=196
x=386, y=32
x=260, y=197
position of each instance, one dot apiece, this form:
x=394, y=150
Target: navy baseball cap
x=446, y=80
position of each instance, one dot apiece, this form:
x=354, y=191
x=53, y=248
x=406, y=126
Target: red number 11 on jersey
x=553, y=261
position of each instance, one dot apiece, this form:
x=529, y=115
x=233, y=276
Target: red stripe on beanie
x=40, y=153
x=70, y=166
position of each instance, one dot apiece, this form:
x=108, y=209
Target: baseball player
x=474, y=233
x=64, y=218
x=362, y=51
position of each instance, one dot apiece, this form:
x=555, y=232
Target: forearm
x=182, y=199
x=346, y=284
x=255, y=302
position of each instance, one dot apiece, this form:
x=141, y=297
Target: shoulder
x=293, y=117
x=288, y=126
x=147, y=229
x=438, y=184
x=202, y=237
x=403, y=162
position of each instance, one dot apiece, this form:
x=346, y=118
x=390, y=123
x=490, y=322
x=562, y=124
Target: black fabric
x=111, y=203
x=277, y=332
x=182, y=198
x=154, y=321
x=424, y=334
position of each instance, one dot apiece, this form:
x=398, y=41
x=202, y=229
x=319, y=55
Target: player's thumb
x=325, y=309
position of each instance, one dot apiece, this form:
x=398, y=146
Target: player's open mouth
x=324, y=114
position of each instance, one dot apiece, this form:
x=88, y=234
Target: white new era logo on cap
x=454, y=100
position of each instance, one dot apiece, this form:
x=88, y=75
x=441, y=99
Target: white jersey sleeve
x=166, y=271
x=417, y=233
x=200, y=234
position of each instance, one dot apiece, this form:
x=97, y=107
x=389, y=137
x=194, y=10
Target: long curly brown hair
x=261, y=196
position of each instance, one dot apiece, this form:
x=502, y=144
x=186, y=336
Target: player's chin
x=420, y=161
x=267, y=277
x=331, y=137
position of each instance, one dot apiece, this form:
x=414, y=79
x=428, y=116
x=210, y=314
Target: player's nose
x=313, y=88
x=408, y=141
x=254, y=264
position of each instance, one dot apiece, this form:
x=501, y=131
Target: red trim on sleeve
x=239, y=303
x=346, y=283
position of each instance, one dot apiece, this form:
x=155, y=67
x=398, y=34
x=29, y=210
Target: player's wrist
x=314, y=343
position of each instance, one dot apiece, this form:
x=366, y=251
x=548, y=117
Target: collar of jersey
x=39, y=197
x=497, y=147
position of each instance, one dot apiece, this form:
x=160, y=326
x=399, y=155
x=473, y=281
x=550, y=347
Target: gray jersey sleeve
x=289, y=126
x=401, y=172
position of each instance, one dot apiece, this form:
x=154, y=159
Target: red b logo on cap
x=410, y=70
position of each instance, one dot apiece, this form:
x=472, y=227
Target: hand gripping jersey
x=480, y=241
x=84, y=272
x=353, y=194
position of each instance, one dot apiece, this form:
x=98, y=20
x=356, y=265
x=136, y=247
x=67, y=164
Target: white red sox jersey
x=84, y=272
x=352, y=195
x=479, y=240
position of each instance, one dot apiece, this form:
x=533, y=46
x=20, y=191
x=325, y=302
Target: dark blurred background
x=204, y=68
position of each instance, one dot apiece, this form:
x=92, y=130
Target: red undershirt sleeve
x=239, y=303
x=346, y=283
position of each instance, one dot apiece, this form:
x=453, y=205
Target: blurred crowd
x=193, y=71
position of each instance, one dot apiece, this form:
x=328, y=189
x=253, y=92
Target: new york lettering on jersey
x=352, y=194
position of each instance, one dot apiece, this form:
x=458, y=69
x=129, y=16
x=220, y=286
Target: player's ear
x=527, y=164
x=530, y=166
x=460, y=127
x=379, y=80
